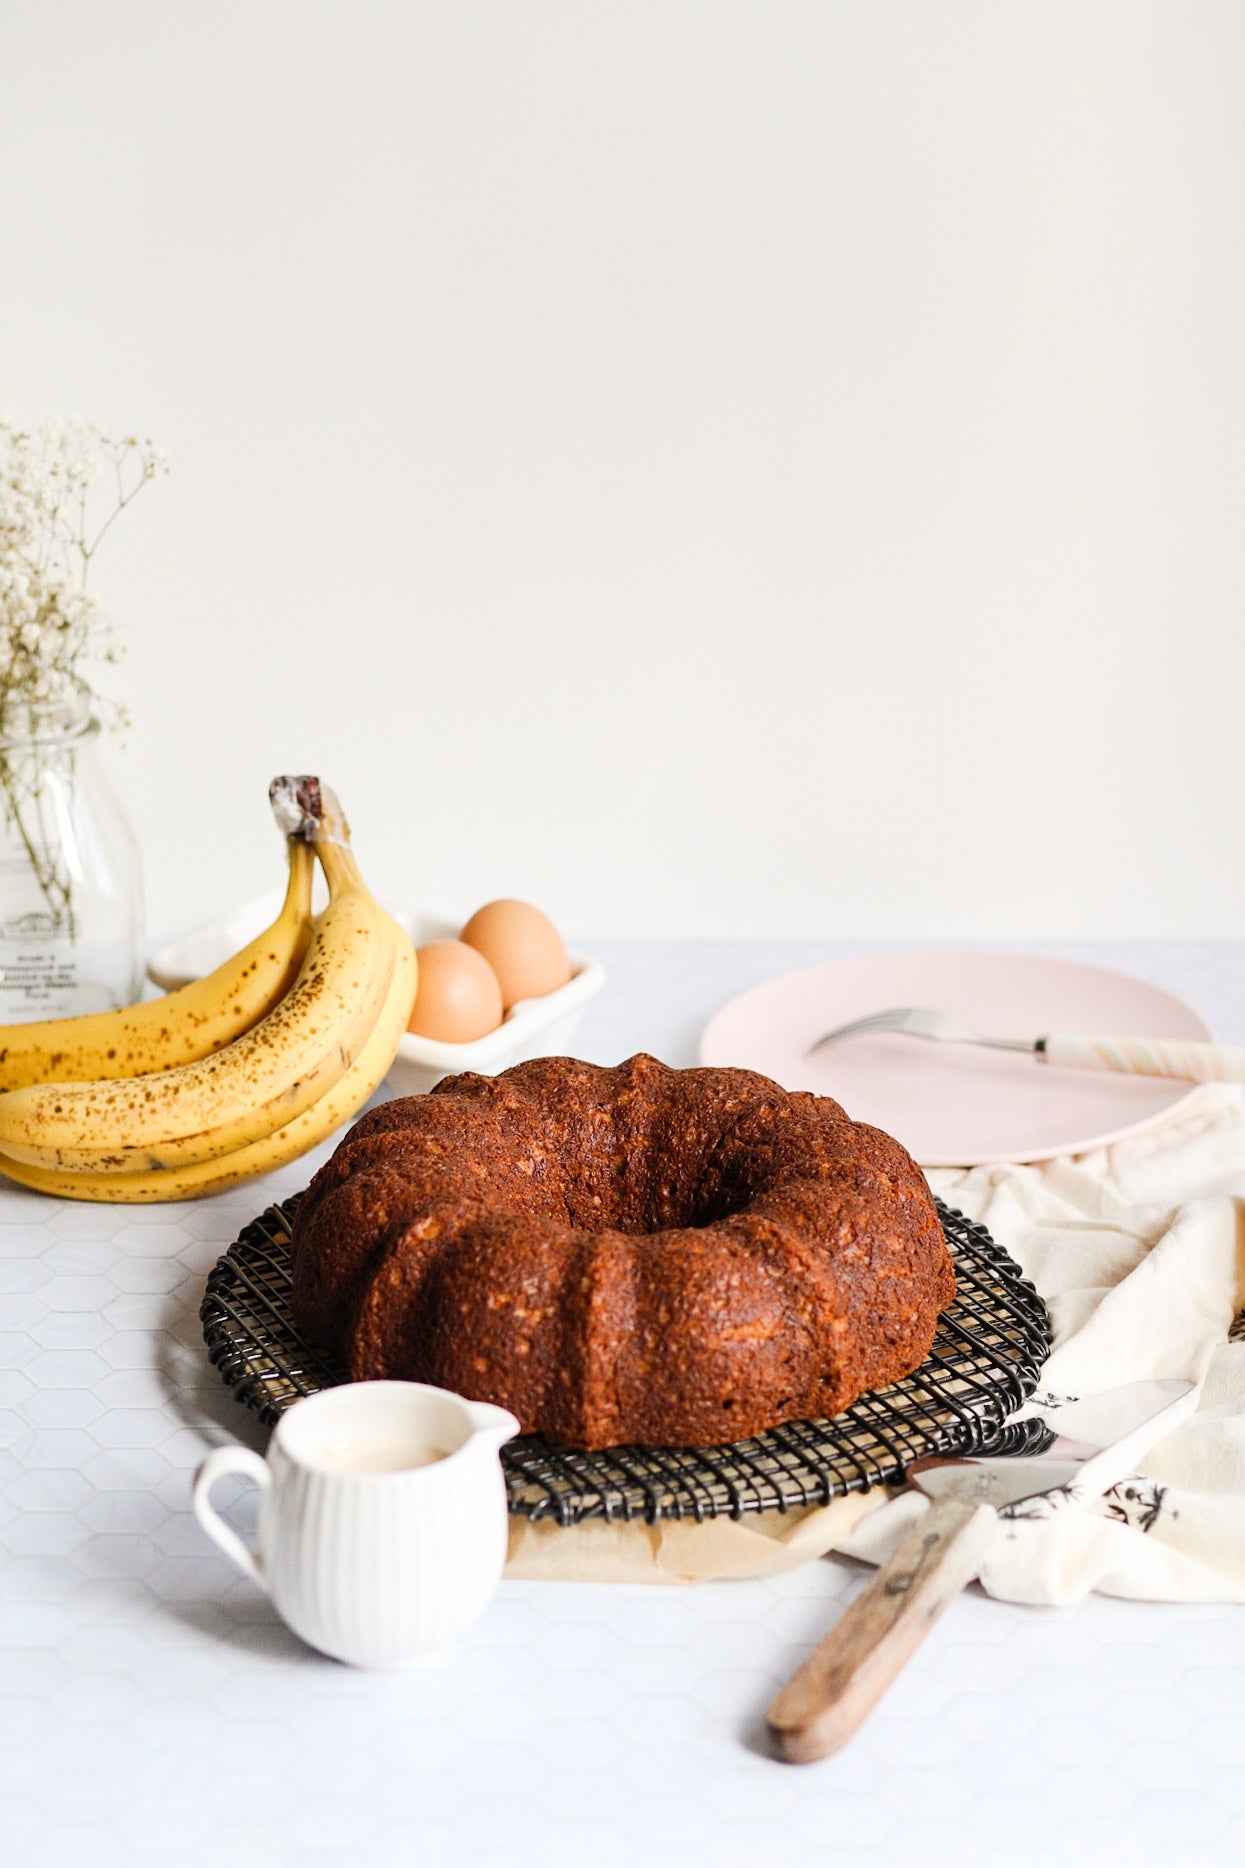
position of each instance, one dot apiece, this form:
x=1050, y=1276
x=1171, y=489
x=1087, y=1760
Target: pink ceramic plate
x=954, y=1105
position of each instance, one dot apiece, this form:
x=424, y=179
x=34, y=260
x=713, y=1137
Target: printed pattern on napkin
x=1139, y=1252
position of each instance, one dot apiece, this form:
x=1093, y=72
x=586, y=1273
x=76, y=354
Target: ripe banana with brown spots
x=285, y=1144
x=185, y=1025
x=261, y=1082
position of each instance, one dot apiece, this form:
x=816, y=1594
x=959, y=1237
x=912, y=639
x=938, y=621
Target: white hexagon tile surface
x=153, y=1710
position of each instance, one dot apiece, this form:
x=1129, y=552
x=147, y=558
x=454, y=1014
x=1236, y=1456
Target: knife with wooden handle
x=843, y=1679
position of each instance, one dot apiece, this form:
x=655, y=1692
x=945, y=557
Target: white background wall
x=707, y=466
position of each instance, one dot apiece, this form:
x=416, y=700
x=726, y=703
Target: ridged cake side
x=636, y=1254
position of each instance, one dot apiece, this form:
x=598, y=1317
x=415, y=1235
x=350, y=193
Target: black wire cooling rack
x=990, y=1345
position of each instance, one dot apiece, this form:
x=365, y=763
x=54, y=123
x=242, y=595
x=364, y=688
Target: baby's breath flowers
x=62, y=487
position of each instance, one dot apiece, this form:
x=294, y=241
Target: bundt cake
x=633, y=1255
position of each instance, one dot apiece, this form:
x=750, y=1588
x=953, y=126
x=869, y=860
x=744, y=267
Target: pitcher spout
x=491, y=1425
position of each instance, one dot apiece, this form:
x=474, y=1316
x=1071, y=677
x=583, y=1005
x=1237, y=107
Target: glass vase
x=71, y=899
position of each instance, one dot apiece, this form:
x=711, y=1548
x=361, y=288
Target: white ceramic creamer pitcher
x=382, y=1527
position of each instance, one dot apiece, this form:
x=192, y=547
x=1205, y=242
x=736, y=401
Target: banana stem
x=300, y=856
x=338, y=863
x=307, y=808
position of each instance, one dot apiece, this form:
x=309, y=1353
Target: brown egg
x=458, y=997
x=523, y=948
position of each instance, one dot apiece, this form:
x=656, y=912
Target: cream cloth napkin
x=1139, y=1251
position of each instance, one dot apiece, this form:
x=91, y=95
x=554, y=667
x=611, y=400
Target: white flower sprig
x=62, y=486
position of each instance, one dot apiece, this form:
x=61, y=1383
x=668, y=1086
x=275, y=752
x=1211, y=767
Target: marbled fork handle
x=1146, y=1057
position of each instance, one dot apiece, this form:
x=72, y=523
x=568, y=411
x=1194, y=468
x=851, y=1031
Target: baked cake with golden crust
x=632, y=1255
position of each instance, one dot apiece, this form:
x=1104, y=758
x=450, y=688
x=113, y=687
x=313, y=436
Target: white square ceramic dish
x=532, y=1028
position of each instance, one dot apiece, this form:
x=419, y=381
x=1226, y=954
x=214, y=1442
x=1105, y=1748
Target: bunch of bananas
x=235, y=1074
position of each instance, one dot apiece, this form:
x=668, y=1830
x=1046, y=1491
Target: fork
x=1138, y=1057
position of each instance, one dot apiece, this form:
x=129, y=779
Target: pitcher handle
x=242, y=1460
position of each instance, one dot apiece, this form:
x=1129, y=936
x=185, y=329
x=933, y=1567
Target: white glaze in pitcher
x=383, y=1527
